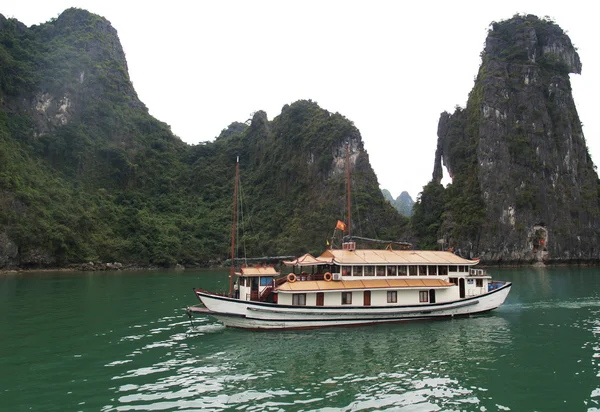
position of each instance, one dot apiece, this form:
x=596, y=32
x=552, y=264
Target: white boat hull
x=260, y=315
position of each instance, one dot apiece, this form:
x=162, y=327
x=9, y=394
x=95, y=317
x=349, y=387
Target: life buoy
x=327, y=277
x=291, y=278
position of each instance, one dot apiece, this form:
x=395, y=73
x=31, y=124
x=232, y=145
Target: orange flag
x=340, y=225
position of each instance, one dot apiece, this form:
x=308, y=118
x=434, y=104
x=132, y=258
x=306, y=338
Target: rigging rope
x=366, y=239
x=242, y=220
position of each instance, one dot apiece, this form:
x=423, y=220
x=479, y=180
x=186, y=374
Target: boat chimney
x=351, y=246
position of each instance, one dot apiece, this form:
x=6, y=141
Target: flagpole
x=233, y=226
x=348, y=183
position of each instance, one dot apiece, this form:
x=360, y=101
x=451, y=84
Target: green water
x=121, y=342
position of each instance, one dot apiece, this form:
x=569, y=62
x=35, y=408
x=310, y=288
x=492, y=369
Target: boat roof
x=258, y=271
x=304, y=260
x=321, y=285
x=392, y=257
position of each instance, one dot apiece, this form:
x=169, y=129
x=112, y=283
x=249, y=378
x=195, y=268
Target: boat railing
x=299, y=277
x=211, y=293
x=280, y=281
x=265, y=293
x=496, y=284
x=310, y=276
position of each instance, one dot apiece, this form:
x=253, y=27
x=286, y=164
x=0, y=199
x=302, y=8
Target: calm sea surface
x=120, y=341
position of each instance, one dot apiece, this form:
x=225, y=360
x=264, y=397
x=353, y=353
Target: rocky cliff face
x=66, y=66
x=517, y=153
x=88, y=176
x=67, y=109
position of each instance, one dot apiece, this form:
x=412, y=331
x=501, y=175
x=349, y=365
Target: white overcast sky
x=389, y=66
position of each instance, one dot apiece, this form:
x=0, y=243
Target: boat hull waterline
x=261, y=315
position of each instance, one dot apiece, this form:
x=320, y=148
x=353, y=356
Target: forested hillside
x=86, y=174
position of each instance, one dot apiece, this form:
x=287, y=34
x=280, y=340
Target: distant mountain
x=87, y=174
x=403, y=203
x=388, y=196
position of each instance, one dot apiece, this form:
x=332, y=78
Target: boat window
x=453, y=268
x=357, y=271
x=392, y=296
x=479, y=283
x=454, y=280
x=443, y=270
x=402, y=271
x=412, y=270
x=423, y=296
x=391, y=270
x=346, y=298
x=266, y=281
x=462, y=269
x=369, y=270
x=346, y=270
x=380, y=270
x=432, y=270
x=422, y=270
x=299, y=299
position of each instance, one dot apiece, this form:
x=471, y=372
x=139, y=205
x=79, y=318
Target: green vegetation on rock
x=517, y=156
x=86, y=174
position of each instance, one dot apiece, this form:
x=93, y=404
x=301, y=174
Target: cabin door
x=254, y=289
x=367, y=298
x=320, y=298
x=461, y=287
x=431, y=295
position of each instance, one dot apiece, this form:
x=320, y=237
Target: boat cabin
x=348, y=276
x=341, y=277
x=255, y=283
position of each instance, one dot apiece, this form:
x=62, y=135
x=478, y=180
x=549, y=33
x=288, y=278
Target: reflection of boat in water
x=350, y=286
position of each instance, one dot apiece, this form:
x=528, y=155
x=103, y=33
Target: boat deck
x=196, y=309
x=311, y=285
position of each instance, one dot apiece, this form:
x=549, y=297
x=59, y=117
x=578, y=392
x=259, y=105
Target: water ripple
x=196, y=375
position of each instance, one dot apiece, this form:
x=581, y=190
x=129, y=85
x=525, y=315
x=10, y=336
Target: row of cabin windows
x=299, y=299
x=402, y=270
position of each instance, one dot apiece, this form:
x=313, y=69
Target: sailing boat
x=348, y=286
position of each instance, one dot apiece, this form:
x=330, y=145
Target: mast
x=235, y=192
x=348, y=189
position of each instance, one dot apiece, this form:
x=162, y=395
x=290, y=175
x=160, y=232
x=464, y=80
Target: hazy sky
x=389, y=66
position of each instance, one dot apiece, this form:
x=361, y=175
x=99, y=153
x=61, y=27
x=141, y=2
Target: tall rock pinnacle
x=524, y=186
